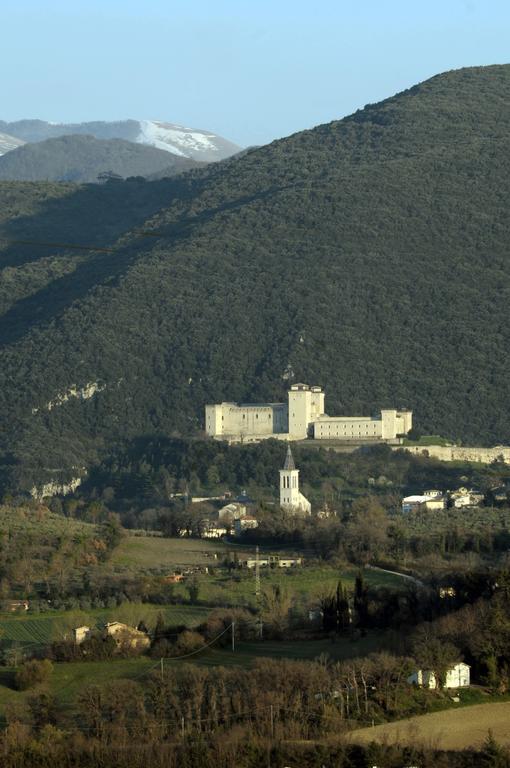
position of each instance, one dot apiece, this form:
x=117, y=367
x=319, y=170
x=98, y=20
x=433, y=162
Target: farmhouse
x=126, y=636
x=457, y=676
x=80, y=634
x=302, y=416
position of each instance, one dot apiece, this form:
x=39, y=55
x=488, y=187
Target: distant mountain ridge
x=82, y=159
x=193, y=143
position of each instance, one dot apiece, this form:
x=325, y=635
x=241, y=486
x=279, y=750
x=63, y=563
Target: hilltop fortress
x=301, y=417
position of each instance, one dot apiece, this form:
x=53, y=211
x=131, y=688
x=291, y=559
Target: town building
x=429, y=500
x=272, y=561
x=213, y=530
x=246, y=523
x=302, y=416
x=291, y=500
x=457, y=676
x=463, y=497
x=231, y=512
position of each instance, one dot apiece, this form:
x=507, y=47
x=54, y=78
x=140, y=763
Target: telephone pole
x=233, y=636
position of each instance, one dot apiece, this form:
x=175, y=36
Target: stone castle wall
x=461, y=452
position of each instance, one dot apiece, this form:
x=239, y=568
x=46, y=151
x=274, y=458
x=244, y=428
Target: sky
x=250, y=70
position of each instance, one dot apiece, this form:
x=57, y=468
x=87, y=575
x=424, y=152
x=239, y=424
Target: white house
x=291, y=499
x=457, y=676
x=430, y=500
x=463, y=497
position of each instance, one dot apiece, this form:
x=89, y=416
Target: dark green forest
x=369, y=254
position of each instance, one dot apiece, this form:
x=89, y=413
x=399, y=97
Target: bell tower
x=289, y=483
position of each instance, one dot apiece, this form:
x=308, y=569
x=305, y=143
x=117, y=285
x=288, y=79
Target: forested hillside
x=369, y=254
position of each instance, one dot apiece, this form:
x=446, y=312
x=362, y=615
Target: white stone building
x=301, y=417
x=430, y=500
x=291, y=499
x=457, y=676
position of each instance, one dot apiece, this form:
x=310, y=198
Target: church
x=302, y=416
x=291, y=500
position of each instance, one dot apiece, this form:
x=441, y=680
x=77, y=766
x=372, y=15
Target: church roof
x=289, y=460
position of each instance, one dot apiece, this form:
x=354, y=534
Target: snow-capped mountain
x=193, y=143
x=9, y=142
x=186, y=142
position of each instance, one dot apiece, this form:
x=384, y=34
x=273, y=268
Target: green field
x=306, y=583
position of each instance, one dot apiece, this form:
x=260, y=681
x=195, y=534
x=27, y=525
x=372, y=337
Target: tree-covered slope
x=370, y=255
x=84, y=158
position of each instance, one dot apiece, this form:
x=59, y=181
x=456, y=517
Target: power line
x=67, y=246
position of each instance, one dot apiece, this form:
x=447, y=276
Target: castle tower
x=290, y=498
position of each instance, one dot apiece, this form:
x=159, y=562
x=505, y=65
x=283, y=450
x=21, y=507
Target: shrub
x=33, y=672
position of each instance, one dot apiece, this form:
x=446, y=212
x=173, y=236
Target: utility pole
x=233, y=636
x=270, y=740
x=162, y=669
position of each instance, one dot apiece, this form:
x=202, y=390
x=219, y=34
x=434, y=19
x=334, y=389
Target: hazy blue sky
x=252, y=70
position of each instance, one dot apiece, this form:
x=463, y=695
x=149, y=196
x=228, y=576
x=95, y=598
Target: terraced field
x=27, y=630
